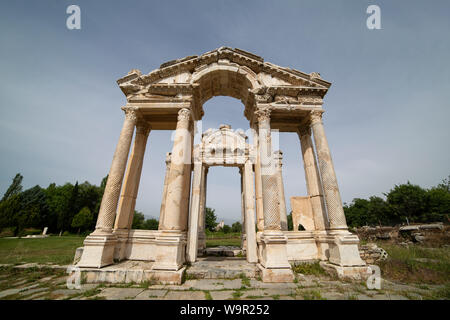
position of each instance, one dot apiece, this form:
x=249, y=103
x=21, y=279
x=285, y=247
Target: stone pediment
x=184, y=75
x=222, y=146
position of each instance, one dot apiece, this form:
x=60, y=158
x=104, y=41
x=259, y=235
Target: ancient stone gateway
x=172, y=98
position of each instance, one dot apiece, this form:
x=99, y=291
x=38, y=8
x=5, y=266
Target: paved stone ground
x=45, y=283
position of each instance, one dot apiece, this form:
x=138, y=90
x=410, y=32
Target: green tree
x=408, y=202
x=236, y=227
x=15, y=187
x=83, y=219
x=138, y=220
x=226, y=228
x=289, y=222
x=210, y=219
x=151, y=224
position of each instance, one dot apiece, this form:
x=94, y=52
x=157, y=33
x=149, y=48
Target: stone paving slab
x=119, y=293
x=214, y=284
x=151, y=294
x=221, y=295
x=185, y=295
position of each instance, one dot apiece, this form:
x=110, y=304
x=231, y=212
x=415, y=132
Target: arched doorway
x=172, y=98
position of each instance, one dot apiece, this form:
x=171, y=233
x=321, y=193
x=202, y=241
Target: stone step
x=226, y=251
x=221, y=268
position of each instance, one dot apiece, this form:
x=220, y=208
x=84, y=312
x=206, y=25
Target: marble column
x=163, y=201
x=191, y=252
x=99, y=246
x=171, y=238
x=278, y=158
x=258, y=182
x=127, y=200
x=177, y=199
x=269, y=181
x=249, y=212
x=243, y=236
x=329, y=182
x=201, y=220
x=312, y=177
x=108, y=206
x=274, y=261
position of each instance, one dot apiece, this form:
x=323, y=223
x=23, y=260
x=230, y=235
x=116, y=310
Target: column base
x=170, y=250
x=343, y=249
x=120, y=250
x=353, y=273
x=98, y=250
x=274, y=264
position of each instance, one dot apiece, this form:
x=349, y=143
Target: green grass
x=235, y=242
x=312, y=295
x=57, y=250
x=402, y=264
x=309, y=268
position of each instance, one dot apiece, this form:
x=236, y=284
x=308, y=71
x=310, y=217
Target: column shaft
x=313, y=184
x=163, y=201
x=329, y=182
x=249, y=221
x=258, y=182
x=127, y=200
x=108, y=206
x=194, y=214
x=269, y=184
x=283, y=213
x=177, y=198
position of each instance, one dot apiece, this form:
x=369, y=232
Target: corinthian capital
x=263, y=114
x=130, y=112
x=184, y=114
x=316, y=116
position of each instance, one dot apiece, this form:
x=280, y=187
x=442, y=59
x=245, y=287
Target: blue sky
x=387, y=112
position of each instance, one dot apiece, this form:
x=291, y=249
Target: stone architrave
x=99, y=245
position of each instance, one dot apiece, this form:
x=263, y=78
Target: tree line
x=404, y=204
x=71, y=208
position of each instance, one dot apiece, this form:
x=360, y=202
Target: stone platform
x=221, y=268
x=131, y=272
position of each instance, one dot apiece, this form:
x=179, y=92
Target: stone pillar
x=163, y=201
x=278, y=158
x=343, y=246
x=171, y=238
x=258, y=182
x=243, y=188
x=127, y=202
x=201, y=220
x=99, y=245
x=274, y=263
x=249, y=212
x=312, y=177
x=330, y=186
x=176, y=211
x=192, y=240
